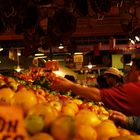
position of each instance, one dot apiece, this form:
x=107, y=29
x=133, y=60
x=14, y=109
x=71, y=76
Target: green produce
x=34, y=124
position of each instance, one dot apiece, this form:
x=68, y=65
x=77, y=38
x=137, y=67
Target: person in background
x=70, y=77
x=127, y=122
x=124, y=98
x=113, y=77
x=101, y=82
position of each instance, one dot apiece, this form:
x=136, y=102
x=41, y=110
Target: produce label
x=12, y=123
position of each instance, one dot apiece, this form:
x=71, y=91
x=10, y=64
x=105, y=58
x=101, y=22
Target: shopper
x=124, y=98
x=127, y=122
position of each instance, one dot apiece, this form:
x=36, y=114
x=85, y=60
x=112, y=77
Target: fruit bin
x=49, y=115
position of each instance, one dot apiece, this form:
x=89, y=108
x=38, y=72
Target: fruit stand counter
x=42, y=114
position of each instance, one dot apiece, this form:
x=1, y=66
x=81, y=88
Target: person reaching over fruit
x=127, y=122
x=124, y=98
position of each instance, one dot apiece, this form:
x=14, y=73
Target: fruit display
x=50, y=115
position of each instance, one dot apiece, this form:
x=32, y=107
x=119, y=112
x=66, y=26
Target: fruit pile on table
x=49, y=115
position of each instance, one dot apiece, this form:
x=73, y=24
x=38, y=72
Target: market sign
x=12, y=123
x=78, y=58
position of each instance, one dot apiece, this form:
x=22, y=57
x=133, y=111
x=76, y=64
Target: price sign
x=12, y=123
x=78, y=58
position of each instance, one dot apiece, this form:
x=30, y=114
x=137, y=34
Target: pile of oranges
x=59, y=117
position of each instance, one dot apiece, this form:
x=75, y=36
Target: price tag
x=12, y=123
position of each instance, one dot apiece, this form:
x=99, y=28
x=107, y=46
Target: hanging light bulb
x=132, y=41
x=89, y=65
x=1, y=49
x=137, y=38
x=61, y=46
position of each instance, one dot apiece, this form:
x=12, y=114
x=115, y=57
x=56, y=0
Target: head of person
x=113, y=76
x=101, y=82
x=70, y=77
x=134, y=73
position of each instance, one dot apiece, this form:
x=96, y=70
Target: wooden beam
x=5, y=37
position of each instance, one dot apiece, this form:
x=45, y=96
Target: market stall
x=30, y=110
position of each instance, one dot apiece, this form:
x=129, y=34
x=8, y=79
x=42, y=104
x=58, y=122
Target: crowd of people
x=123, y=97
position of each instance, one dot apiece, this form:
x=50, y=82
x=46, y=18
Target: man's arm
x=91, y=93
x=64, y=85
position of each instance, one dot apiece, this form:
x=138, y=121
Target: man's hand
x=61, y=84
x=118, y=117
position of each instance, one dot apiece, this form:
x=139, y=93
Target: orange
x=24, y=98
x=66, y=110
x=86, y=117
x=124, y=132
x=128, y=137
x=63, y=128
x=46, y=110
x=71, y=104
x=69, y=108
x=106, y=129
x=40, y=98
x=6, y=95
x=41, y=136
x=85, y=132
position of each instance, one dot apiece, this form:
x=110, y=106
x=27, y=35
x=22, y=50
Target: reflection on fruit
x=42, y=136
x=78, y=101
x=86, y=117
x=6, y=95
x=34, y=124
x=63, y=128
x=85, y=132
x=106, y=129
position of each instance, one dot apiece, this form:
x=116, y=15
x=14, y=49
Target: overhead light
x=1, y=49
x=137, y=38
x=76, y=53
x=19, y=53
x=61, y=46
x=90, y=65
x=43, y=56
x=39, y=54
x=132, y=41
x=129, y=64
x=18, y=69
